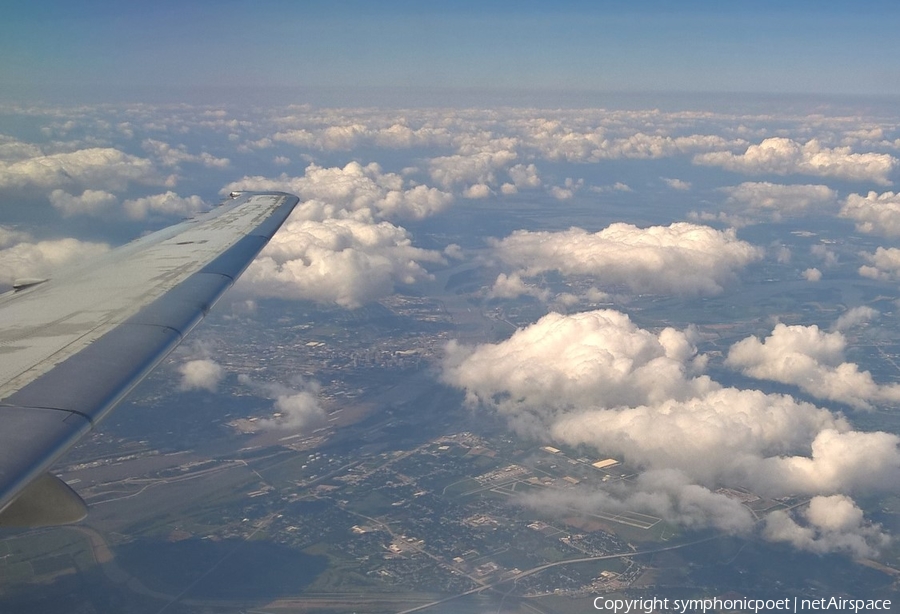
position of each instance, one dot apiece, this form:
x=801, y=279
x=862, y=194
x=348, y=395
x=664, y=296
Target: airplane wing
x=73, y=346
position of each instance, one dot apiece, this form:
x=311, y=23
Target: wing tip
x=46, y=502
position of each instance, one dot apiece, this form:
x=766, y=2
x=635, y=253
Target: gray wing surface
x=73, y=346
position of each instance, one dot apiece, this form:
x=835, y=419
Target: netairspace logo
x=795, y=605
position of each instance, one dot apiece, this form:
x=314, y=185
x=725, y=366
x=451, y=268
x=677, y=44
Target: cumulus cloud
x=200, y=374
x=173, y=156
x=300, y=410
x=883, y=264
x=9, y=236
x=345, y=261
x=677, y=184
x=616, y=187
x=721, y=437
x=567, y=190
x=830, y=524
x=874, y=213
x=297, y=406
x=812, y=275
x=582, y=135
x=472, y=169
x=823, y=253
x=91, y=202
x=681, y=258
x=524, y=177
x=355, y=187
x=513, y=286
x=12, y=149
x=784, y=156
x=96, y=168
x=331, y=249
x=813, y=360
x=855, y=316
x=651, y=146
x=347, y=134
x=169, y=203
x=778, y=199
x=595, y=379
x=558, y=139
x=561, y=362
x=22, y=257
x=477, y=191
x=666, y=493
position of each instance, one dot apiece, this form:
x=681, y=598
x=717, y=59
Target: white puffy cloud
x=831, y=524
x=91, y=202
x=331, y=249
x=22, y=257
x=681, y=258
x=813, y=360
x=838, y=460
x=454, y=252
x=677, y=184
x=784, y=156
x=470, y=169
x=12, y=149
x=345, y=261
x=827, y=256
x=870, y=135
x=477, y=191
x=595, y=379
x=884, y=264
x=169, y=155
x=855, y=317
x=721, y=437
x=583, y=135
x=355, y=187
x=512, y=286
x=168, y=203
x=297, y=406
x=812, y=275
x=96, y=168
x=770, y=443
x=779, y=199
x=299, y=410
x=524, y=177
x=348, y=133
x=567, y=190
x=666, y=493
x=874, y=213
x=561, y=362
x=8, y=236
x=560, y=140
x=647, y=146
x=200, y=374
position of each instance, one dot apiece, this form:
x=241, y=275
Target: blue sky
x=763, y=47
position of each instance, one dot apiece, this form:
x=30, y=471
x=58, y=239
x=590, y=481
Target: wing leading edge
x=72, y=347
